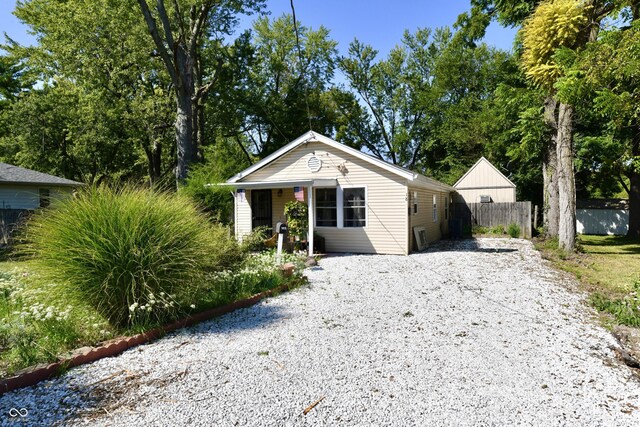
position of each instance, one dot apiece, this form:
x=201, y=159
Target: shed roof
x=482, y=160
x=10, y=174
x=414, y=178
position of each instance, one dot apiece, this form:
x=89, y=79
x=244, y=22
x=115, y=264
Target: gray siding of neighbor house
x=27, y=197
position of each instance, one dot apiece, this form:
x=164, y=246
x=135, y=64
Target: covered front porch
x=266, y=201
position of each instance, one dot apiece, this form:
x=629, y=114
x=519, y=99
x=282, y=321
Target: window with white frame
x=415, y=202
x=435, y=208
x=354, y=207
x=326, y=207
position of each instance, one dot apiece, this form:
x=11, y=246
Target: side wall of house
x=386, y=192
x=424, y=217
x=28, y=197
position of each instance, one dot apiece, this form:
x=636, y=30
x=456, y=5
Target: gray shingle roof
x=17, y=175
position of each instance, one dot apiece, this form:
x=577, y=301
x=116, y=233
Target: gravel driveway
x=469, y=333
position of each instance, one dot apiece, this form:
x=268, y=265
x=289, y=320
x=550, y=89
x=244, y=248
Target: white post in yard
x=310, y=233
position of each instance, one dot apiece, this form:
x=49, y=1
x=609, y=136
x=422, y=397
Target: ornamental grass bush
x=137, y=256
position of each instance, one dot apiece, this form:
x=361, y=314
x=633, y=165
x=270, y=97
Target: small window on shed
x=45, y=197
x=415, y=202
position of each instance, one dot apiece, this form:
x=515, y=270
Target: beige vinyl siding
x=243, y=215
x=498, y=195
x=424, y=217
x=386, y=229
x=28, y=197
x=483, y=179
x=278, y=202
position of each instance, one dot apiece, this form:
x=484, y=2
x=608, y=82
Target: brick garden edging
x=32, y=376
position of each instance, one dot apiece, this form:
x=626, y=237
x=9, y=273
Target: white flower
x=192, y=306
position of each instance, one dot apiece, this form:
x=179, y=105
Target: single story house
x=356, y=202
x=23, y=190
x=602, y=216
x=484, y=183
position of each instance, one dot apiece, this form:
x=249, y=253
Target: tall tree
x=285, y=89
x=554, y=25
x=605, y=74
x=184, y=30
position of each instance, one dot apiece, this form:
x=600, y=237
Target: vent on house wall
x=485, y=199
x=314, y=164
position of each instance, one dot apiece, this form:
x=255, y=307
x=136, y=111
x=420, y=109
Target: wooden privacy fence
x=494, y=214
x=10, y=220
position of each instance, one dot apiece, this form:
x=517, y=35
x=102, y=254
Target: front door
x=261, y=208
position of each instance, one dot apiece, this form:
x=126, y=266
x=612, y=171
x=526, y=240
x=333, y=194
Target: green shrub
x=513, y=230
x=625, y=310
x=254, y=241
x=216, y=200
x=497, y=229
x=479, y=229
x=135, y=255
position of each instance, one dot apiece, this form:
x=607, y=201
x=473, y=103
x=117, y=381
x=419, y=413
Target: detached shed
x=483, y=182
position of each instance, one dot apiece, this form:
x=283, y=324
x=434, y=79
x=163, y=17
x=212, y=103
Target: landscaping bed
x=40, y=325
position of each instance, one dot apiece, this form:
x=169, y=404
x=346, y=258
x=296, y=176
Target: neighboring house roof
x=411, y=176
x=485, y=161
x=10, y=174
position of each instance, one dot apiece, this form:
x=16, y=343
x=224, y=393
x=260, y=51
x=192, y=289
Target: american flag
x=299, y=193
x=241, y=195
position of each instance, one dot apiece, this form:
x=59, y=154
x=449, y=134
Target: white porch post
x=310, y=233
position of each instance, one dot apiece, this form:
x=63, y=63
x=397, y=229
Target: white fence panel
x=602, y=221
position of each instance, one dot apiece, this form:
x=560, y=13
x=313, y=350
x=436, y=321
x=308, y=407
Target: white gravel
x=460, y=335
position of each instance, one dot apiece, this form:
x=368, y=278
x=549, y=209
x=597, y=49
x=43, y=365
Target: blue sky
x=379, y=23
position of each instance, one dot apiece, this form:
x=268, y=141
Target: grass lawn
x=39, y=322
x=609, y=268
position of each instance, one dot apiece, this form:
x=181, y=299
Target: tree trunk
x=551, y=210
x=566, y=180
x=634, y=186
x=184, y=135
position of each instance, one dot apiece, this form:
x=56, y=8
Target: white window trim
x=435, y=207
x=338, y=204
x=366, y=205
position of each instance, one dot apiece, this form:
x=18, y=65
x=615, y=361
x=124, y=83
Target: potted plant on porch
x=297, y=215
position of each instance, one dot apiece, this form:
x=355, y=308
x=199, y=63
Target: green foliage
x=277, y=92
x=479, y=229
x=259, y=272
x=135, y=255
x=297, y=214
x=37, y=321
x=513, y=230
x=254, y=241
x=201, y=186
x=554, y=24
x=625, y=310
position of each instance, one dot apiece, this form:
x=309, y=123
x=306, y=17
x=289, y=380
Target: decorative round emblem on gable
x=314, y=164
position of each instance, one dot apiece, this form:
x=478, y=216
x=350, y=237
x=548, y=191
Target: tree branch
x=166, y=25
x=162, y=50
